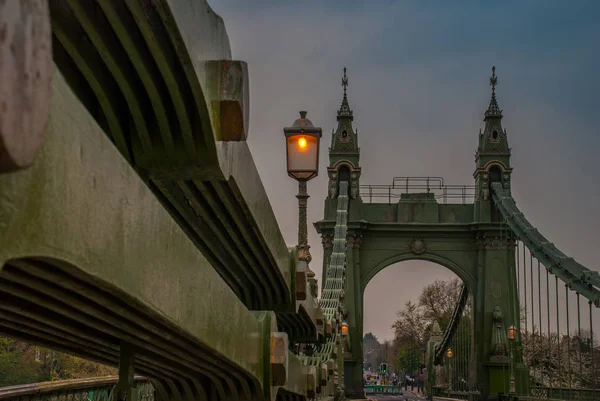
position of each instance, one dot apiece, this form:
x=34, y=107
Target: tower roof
x=493, y=110
x=344, y=110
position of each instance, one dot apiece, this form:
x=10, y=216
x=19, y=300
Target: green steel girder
x=157, y=77
x=576, y=276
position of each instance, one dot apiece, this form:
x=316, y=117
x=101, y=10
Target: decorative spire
x=493, y=109
x=345, y=83
x=344, y=110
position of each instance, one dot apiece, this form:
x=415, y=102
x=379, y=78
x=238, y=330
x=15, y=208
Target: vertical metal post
x=558, y=339
x=593, y=375
x=548, y=311
x=540, y=304
x=303, y=247
x=125, y=388
x=518, y=280
x=512, y=387
x=569, y=339
x=579, y=337
x=525, y=292
x=532, y=319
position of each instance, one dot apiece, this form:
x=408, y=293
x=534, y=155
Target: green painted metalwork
x=581, y=279
x=383, y=390
x=467, y=238
x=333, y=295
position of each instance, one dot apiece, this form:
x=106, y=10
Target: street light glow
x=302, y=142
x=345, y=329
x=512, y=333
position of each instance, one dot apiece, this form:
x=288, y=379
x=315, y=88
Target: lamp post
x=512, y=336
x=302, y=149
x=449, y=355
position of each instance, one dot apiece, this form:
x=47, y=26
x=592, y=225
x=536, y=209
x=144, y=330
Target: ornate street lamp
x=449, y=355
x=512, y=337
x=345, y=328
x=302, y=148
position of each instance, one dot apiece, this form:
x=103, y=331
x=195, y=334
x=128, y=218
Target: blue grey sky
x=419, y=73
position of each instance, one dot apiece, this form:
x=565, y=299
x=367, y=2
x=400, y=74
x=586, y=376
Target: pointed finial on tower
x=345, y=82
x=493, y=109
x=493, y=80
x=344, y=110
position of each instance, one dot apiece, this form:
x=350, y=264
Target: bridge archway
x=418, y=228
x=386, y=294
x=439, y=260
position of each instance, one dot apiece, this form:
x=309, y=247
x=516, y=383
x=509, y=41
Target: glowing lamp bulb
x=302, y=142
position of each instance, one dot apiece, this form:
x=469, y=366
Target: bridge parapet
x=148, y=90
x=167, y=69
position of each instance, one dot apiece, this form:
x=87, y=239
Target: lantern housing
x=345, y=328
x=302, y=148
x=512, y=333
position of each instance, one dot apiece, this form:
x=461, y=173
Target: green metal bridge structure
x=135, y=231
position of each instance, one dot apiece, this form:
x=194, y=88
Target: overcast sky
x=419, y=73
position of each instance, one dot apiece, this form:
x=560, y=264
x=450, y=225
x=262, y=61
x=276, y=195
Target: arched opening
x=495, y=175
x=400, y=305
x=344, y=173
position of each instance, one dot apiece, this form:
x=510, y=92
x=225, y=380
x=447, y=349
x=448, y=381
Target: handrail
x=404, y=185
x=573, y=274
x=60, y=385
x=333, y=288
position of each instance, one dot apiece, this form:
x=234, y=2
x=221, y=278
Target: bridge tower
x=496, y=291
x=492, y=159
x=344, y=153
x=344, y=158
x=470, y=239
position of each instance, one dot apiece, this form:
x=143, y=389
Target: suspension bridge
x=135, y=231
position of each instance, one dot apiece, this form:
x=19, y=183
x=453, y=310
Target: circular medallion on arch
x=417, y=246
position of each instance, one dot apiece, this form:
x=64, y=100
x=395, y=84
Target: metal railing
x=441, y=392
x=89, y=389
x=383, y=389
x=412, y=185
